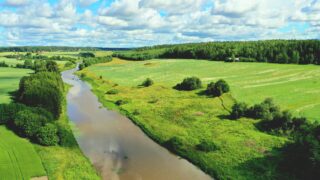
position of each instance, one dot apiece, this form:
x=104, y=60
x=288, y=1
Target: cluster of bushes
x=39, y=65
x=189, y=84
x=39, y=102
x=3, y=64
x=218, y=88
x=215, y=89
x=87, y=55
x=43, y=89
x=302, y=157
x=95, y=60
x=35, y=123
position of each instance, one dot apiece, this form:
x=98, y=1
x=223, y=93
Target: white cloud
x=16, y=3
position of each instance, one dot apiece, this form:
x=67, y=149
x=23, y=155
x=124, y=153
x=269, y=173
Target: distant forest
x=272, y=51
x=56, y=48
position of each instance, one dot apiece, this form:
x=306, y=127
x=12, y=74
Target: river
x=115, y=145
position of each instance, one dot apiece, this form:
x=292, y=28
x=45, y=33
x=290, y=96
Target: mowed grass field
x=9, y=81
x=18, y=158
x=294, y=87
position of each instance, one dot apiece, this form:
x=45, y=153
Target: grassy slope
x=18, y=158
x=245, y=153
x=9, y=81
x=294, y=87
x=66, y=162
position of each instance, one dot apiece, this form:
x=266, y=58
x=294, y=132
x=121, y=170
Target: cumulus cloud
x=131, y=23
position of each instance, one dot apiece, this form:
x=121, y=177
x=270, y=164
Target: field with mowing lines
x=9, y=81
x=294, y=87
x=18, y=158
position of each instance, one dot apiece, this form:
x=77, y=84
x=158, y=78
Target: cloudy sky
x=133, y=23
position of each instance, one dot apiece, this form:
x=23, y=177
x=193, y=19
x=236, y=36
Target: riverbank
x=67, y=160
x=164, y=114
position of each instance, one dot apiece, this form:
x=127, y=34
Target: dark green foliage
x=44, y=89
x=52, y=66
x=121, y=102
x=174, y=144
x=8, y=111
x=148, y=82
x=218, y=88
x=36, y=49
x=189, y=84
x=112, y=91
x=239, y=110
x=207, y=146
x=28, y=64
x=265, y=110
x=302, y=158
x=273, y=51
x=47, y=135
x=90, y=61
x=27, y=123
x=3, y=64
x=87, y=54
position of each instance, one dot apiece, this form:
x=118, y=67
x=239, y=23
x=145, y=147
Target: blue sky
x=134, y=23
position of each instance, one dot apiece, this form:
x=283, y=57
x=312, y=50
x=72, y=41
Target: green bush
x=87, y=54
x=8, y=111
x=28, y=123
x=47, y=135
x=121, y=102
x=146, y=83
x=239, y=110
x=174, y=144
x=112, y=91
x=189, y=84
x=207, y=146
x=218, y=88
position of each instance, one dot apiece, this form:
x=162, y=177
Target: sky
x=135, y=23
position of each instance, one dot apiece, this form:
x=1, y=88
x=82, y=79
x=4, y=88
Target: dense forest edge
x=270, y=51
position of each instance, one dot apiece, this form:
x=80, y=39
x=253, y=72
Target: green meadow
x=163, y=113
x=18, y=158
x=9, y=81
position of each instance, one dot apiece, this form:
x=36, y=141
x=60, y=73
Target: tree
x=295, y=57
x=218, y=88
x=28, y=64
x=189, y=84
x=239, y=110
x=52, y=66
x=47, y=135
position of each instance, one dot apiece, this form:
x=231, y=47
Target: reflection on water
x=117, y=148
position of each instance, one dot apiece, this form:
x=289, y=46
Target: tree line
x=37, y=106
x=47, y=48
x=271, y=51
x=88, y=61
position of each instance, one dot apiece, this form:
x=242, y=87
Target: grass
x=9, y=81
x=294, y=87
x=163, y=113
x=18, y=158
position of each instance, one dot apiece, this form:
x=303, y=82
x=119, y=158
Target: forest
x=271, y=51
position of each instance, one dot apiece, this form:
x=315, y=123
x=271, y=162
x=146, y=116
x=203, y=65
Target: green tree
x=47, y=135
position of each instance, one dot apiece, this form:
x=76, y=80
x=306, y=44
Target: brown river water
x=116, y=147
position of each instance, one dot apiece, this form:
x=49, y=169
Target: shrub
x=239, y=110
x=207, y=146
x=8, y=111
x=86, y=54
x=47, y=135
x=28, y=123
x=174, y=144
x=189, y=84
x=112, y=91
x=218, y=88
x=148, y=82
x=3, y=64
x=121, y=102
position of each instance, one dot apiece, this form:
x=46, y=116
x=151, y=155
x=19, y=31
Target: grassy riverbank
x=163, y=113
